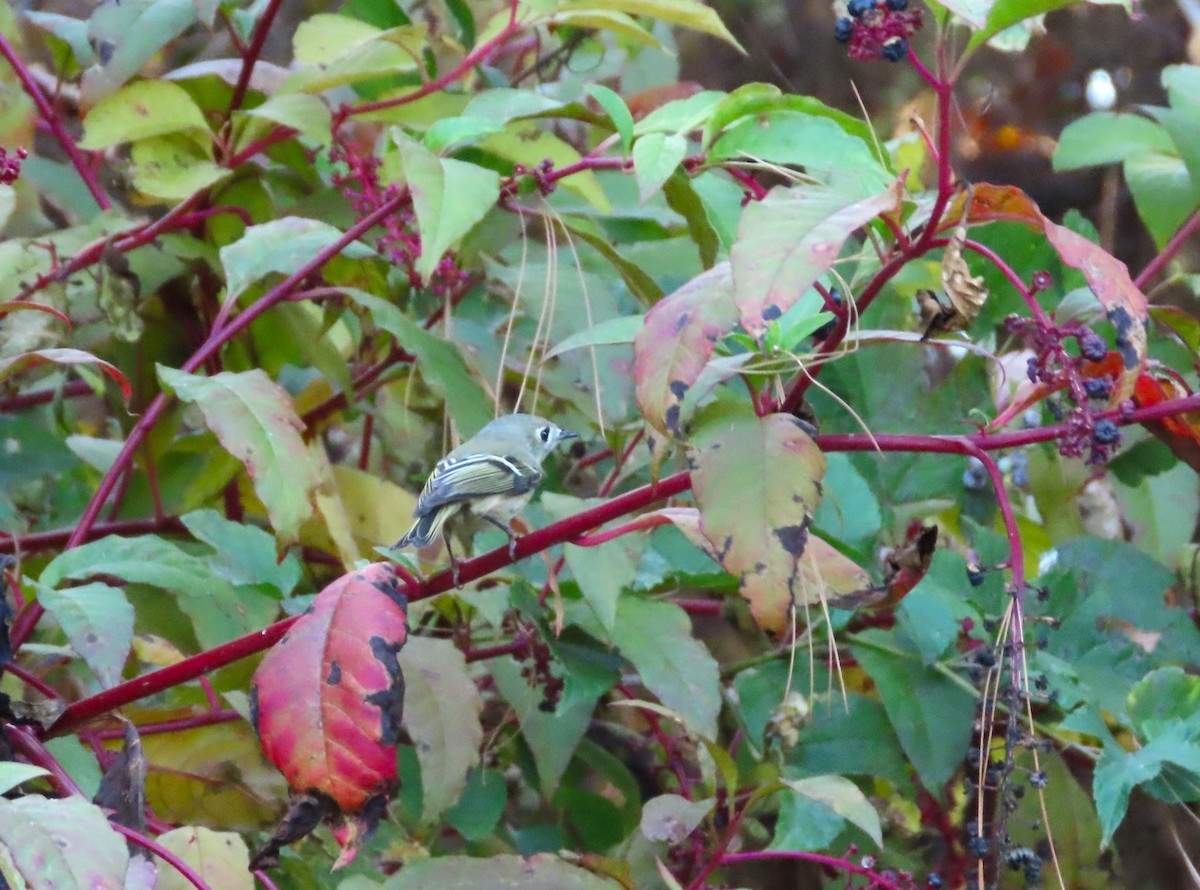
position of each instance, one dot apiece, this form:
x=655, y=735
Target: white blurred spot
x=1048, y=561
x=1101, y=92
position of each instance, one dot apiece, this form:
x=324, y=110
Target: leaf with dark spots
x=755, y=484
x=790, y=238
x=337, y=738
x=793, y=538
x=676, y=343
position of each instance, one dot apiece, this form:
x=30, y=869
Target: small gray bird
x=492, y=475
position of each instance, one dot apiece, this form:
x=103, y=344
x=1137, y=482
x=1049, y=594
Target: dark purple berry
x=1092, y=347
x=895, y=49
x=934, y=882
x=859, y=8
x=1105, y=432
x=1042, y=280
x=1097, y=388
x=897, y=5
x=843, y=30
x=978, y=847
x=975, y=575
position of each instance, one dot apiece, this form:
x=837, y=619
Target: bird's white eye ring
x=544, y=432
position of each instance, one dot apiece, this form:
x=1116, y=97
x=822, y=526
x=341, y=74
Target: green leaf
x=281, y=246
x=1182, y=122
x=616, y=109
x=655, y=157
x=1006, y=13
x=336, y=50
x=1163, y=191
x=71, y=31
x=931, y=614
x=141, y=110
x=835, y=794
x=639, y=282
x=480, y=805
x=305, y=114
x=683, y=198
x=1119, y=772
x=449, y=198
x=504, y=105
x=129, y=34
x=804, y=140
x=687, y=13
x=441, y=714
x=931, y=712
x=219, y=857
x=451, y=133
x=64, y=843
x=438, y=360
x=254, y=420
x=601, y=572
x=172, y=168
x=525, y=142
x=671, y=817
x=757, y=481
x=676, y=343
x=849, y=509
x=1162, y=700
x=855, y=740
x=245, y=553
x=1107, y=137
x=543, y=871
x=218, y=611
x=608, y=333
x=551, y=737
x=98, y=622
x=656, y=637
x=13, y=774
x=789, y=239
x=680, y=116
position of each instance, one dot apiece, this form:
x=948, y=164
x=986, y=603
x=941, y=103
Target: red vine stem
x=51, y=119
x=250, y=59
x=1184, y=234
x=153, y=846
x=25, y=621
x=478, y=56
x=874, y=878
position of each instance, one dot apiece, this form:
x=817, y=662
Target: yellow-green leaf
x=141, y=110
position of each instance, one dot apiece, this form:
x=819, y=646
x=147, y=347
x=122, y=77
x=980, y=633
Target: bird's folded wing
x=475, y=476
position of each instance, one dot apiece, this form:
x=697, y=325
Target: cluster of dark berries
x=877, y=29
x=1053, y=366
x=537, y=661
x=10, y=166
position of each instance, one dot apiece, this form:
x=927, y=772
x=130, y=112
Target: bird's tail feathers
x=426, y=528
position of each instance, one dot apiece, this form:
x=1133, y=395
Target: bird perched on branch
x=491, y=475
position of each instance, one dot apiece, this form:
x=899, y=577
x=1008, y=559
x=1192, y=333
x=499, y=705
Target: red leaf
x=1181, y=433
x=328, y=697
x=13, y=364
x=24, y=305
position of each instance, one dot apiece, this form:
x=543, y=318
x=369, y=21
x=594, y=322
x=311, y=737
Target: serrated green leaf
x=838, y=795
x=172, y=168
x=245, y=553
x=254, y=420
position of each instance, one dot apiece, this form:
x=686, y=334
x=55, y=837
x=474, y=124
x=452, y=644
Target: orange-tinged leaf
x=17, y=363
x=757, y=481
x=1180, y=433
x=327, y=698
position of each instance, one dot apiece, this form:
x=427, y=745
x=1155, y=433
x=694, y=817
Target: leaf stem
x=1184, y=234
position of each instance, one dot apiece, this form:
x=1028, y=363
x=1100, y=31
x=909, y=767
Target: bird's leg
x=507, y=529
x=453, y=562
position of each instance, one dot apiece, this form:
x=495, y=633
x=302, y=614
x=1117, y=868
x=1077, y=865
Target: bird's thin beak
x=567, y=434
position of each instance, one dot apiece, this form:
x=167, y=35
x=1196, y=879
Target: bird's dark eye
x=544, y=432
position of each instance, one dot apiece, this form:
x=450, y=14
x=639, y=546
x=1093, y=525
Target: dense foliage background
x=874, y=565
